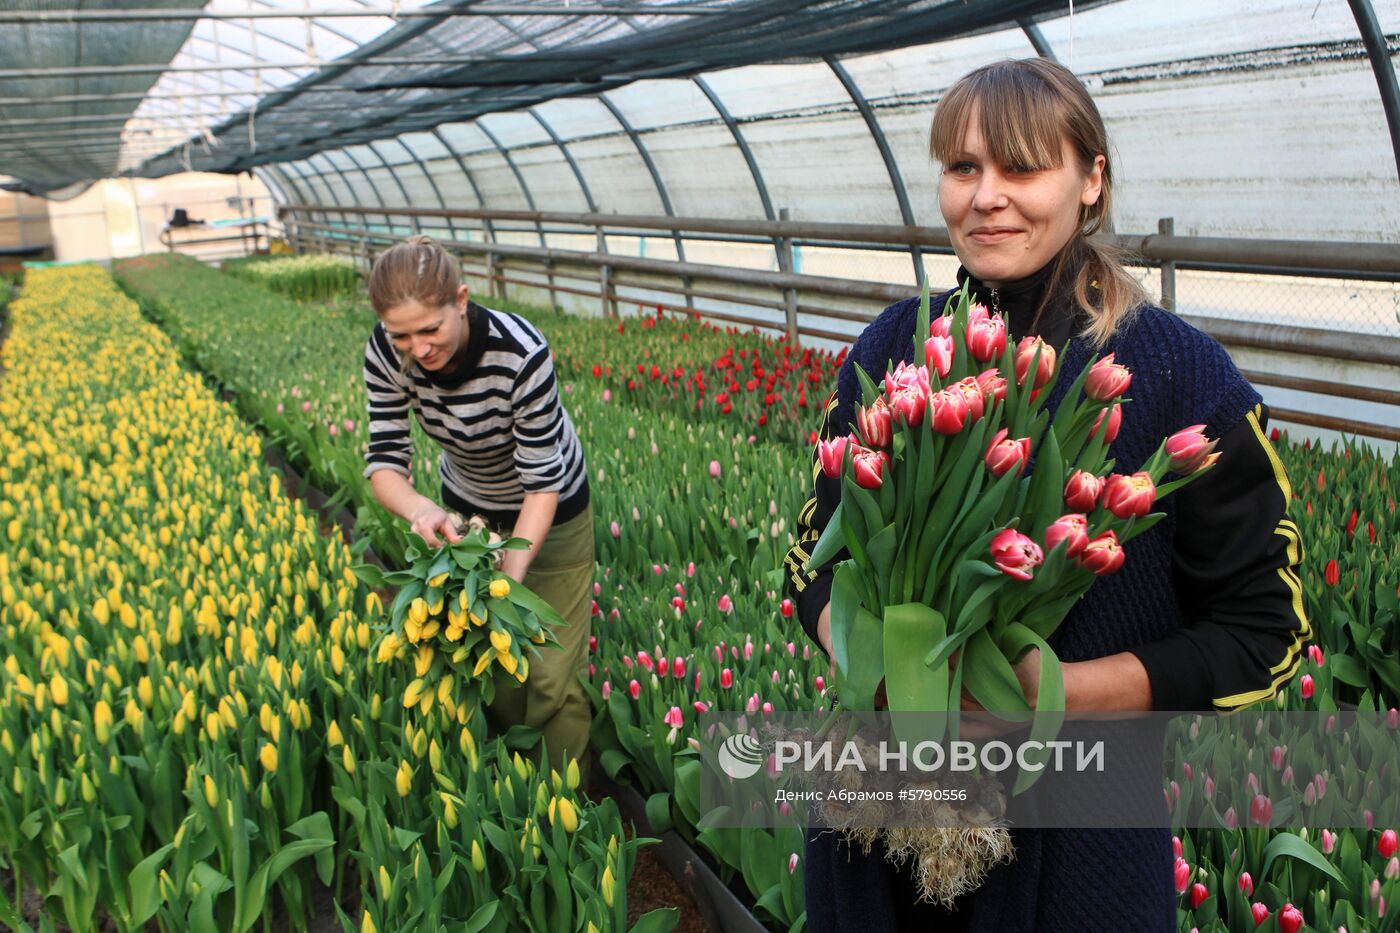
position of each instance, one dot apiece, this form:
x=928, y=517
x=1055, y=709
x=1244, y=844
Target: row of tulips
x=679, y=580
x=305, y=278
x=194, y=730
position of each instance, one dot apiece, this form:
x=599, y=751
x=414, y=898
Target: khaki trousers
x=552, y=700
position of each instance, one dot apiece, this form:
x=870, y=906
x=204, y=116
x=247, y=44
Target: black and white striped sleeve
x=390, y=444
x=538, y=424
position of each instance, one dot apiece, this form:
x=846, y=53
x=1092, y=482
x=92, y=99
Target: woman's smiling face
x=1008, y=221
x=430, y=335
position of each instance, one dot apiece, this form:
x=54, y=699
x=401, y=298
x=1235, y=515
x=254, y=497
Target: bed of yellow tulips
x=194, y=730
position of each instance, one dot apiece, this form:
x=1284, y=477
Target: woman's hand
x=431, y=521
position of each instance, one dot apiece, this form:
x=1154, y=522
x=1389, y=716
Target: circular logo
x=740, y=756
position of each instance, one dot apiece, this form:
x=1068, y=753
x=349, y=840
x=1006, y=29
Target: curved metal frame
x=1037, y=39
x=1389, y=88
x=471, y=179
x=743, y=144
x=901, y=194
x=349, y=188
x=451, y=225
x=655, y=173
x=407, y=201
x=361, y=169
x=525, y=189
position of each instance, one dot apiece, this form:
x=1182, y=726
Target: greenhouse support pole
x=901, y=193
x=398, y=182
x=529, y=199
x=388, y=217
x=1374, y=40
x=1037, y=38
x=1166, y=226
x=486, y=223
x=789, y=294
x=600, y=240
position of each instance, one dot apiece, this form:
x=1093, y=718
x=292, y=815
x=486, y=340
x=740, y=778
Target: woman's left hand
x=1028, y=674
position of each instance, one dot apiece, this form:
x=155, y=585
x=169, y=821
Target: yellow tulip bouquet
x=456, y=619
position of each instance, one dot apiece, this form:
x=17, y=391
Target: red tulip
x=1190, y=450
x=1351, y=524
x=700, y=707
x=941, y=326
x=1082, y=491
x=678, y=668
x=1246, y=884
x=1387, y=845
x=1290, y=919
x=786, y=608
x=1199, y=893
x=1182, y=873
x=662, y=666
x=1107, y=380
x=908, y=402
x=1315, y=654
x=1261, y=810
x=726, y=678
x=993, y=384
x=644, y=660
x=1305, y=685
x=1102, y=555
x=1115, y=421
x=876, y=423
x=1129, y=496
x=1026, y=354
x=1015, y=554
x=1072, y=528
x=939, y=353
x=986, y=337
x=1332, y=574
x=1260, y=912
x=949, y=410
x=1003, y=453
x=869, y=466
x=635, y=689
x=831, y=454
x=973, y=396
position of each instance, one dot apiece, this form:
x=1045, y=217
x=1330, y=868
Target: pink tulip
x=592, y=670
x=1290, y=919
x=1276, y=756
x=1387, y=844
x=1082, y=491
x=752, y=705
x=792, y=863
x=690, y=569
x=1129, y=496
x=908, y=402
x=332, y=429
x=1190, y=450
x=726, y=604
x=949, y=410
x=349, y=424
x=831, y=454
x=1305, y=686
x=615, y=529
x=1315, y=654
x=1392, y=868
x=768, y=709
x=993, y=385
x=305, y=406
x=1259, y=912
x=645, y=661
x=869, y=466
x=662, y=666
x=876, y=424
x=1182, y=873
x=1015, y=554
x=1261, y=810
x=1072, y=528
x=1246, y=883
x=1115, y=421
x=607, y=395
x=279, y=408
x=634, y=689
x=1320, y=782
x=1107, y=380
x=1103, y=555
x=1199, y=893
x=715, y=469
x=973, y=395
x=1176, y=846
x=607, y=689
x=939, y=353
x=1231, y=821
x=726, y=678
x=674, y=718
x=748, y=650
x=1026, y=354
x=941, y=326
x=678, y=668
x=821, y=683
x=1003, y=454
x=986, y=337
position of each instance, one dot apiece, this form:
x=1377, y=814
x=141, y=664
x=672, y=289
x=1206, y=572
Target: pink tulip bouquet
x=961, y=557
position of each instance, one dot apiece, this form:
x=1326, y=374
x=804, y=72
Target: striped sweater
x=497, y=417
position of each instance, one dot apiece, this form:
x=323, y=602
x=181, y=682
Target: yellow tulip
x=438, y=580
x=449, y=811
x=423, y=660
x=348, y=760
x=268, y=757
x=507, y=661
x=500, y=588
x=333, y=736
x=58, y=690
x=418, y=611
x=482, y=663
x=386, y=884
x=211, y=792
x=500, y=640
x=568, y=817
x=477, y=620
x=102, y=721
x=388, y=648
x=571, y=775
x=413, y=692
x=367, y=924
x=478, y=857
x=404, y=779
x=608, y=885
x=145, y=692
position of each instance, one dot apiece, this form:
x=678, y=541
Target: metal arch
x=568, y=157
x=515, y=169
x=407, y=201
x=349, y=188
x=304, y=177
x=642, y=151
x=388, y=217
x=901, y=193
x=270, y=182
x=1374, y=40
x=1037, y=38
x=471, y=180
x=743, y=144
x=451, y=226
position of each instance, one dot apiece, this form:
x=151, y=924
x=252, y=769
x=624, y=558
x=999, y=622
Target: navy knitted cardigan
x=1061, y=880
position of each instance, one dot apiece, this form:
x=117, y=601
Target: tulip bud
x=1199, y=893
x=1259, y=912
x=1246, y=883
x=1261, y=810
x=1189, y=450
x=1290, y=919
x=1026, y=352
x=1114, y=414
x=876, y=424
x=986, y=337
x=1102, y=555
x=1129, y=496
x=1073, y=529
x=938, y=351
x=831, y=454
x=869, y=466
x=1015, y=554
x=268, y=757
x=403, y=779
x=1182, y=874
x=1387, y=844
x=1004, y=454
x=1107, y=380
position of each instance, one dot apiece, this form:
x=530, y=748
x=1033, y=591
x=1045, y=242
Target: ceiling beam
x=70, y=17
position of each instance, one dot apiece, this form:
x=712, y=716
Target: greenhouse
x=872, y=465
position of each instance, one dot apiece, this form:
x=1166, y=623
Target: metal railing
x=600, y=275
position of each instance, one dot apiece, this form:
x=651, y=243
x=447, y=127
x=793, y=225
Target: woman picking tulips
x=481, y=384
x=1202, y=611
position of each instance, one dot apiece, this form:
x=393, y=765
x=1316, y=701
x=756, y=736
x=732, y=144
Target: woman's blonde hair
x=417, y=269
x=1024, y=109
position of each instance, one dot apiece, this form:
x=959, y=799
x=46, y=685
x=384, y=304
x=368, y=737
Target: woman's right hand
x=431, y=521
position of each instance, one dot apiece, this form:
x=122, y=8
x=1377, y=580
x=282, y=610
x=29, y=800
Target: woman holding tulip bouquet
x=1201, y=612
x=481, y=384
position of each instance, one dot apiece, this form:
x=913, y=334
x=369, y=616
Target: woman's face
x=1006, y=222
x=430, y=335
